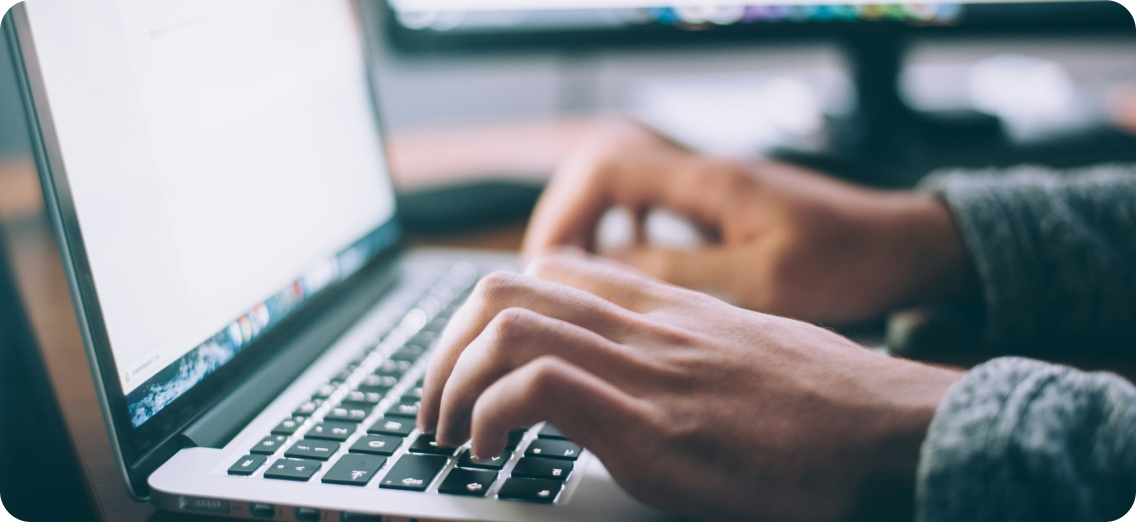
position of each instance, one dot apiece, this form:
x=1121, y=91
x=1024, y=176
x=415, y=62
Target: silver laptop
x=215, y=174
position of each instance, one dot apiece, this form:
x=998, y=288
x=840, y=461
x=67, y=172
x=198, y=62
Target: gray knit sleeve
x=1055, y=251
x=1021, y=440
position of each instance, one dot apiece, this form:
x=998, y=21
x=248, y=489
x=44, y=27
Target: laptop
x=257, y=331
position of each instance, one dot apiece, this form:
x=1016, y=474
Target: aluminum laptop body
x=216, y=180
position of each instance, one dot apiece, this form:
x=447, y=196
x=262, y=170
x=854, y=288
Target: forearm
x=1053, y=252
x=1021, y=440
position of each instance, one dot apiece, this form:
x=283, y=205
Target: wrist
x=927, y=240
x=911, y=396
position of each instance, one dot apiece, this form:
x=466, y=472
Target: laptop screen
x=224, y=163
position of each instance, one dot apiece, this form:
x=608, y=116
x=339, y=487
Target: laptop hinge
x=218, y=425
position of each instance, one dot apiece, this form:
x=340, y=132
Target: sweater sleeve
x=1055, y=252
x=1021, y=440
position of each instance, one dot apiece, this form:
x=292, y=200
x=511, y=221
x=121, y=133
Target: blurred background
x=482, y=98
x=734, y=80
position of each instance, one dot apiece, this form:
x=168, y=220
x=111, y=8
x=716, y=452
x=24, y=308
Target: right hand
x=788, y=241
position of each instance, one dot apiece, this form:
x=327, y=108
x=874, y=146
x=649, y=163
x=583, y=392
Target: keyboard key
x=325, y=391
x=375, y=382
x=550, y=432
x=376, y=445
x=392, y=368
x=530, y=490
x=415, y=392
x=354, y=470
x=408, y=353
x=536, y=467
x=380, y=390
x=360, y=397
x=312, y=449
x=288, y=469
x=406, y=407
x=268, y=445
x=425, y=444
x=247, y=465
x=515, y=438
x=413, y=472
x=343, y=375
x=348, y=413
x=332, y=430
x=308, y=408
x=555, y=449
x=304, y=514
x=289, y=426
x=392, y=426
x=468, y=482
x=495, y=462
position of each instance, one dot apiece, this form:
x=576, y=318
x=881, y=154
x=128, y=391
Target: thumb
x=709, y=269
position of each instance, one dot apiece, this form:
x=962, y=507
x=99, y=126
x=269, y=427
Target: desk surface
x=39, y=269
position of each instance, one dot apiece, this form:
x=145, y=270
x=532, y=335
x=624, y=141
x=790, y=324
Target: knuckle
x=511, y=324
x=544, y=374
x=497, y=286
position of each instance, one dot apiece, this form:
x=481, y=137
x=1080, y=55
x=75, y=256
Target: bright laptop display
x=224, y=164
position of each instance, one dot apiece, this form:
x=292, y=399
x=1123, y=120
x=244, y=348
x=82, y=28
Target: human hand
x=787, y=241
x=693, y=405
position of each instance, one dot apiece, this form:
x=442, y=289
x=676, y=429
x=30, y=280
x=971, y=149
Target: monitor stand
x=886, y=143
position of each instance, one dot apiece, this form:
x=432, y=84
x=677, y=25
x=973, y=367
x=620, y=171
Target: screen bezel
x=139, y=450
x=1001, y=19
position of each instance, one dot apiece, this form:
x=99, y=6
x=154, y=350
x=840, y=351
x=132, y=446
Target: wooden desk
x=492, y=150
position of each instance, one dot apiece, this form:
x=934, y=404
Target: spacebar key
x=414, y=472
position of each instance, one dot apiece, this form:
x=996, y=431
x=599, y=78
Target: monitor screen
x=518, y=24
x=224, y=163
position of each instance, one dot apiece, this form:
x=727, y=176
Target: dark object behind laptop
x=39, y=478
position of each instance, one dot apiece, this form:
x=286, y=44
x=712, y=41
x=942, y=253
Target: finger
x=499, y=291
x=514, y=338
x=710, y=269
x=585, y=188
x=587, y=409
x=609, y=280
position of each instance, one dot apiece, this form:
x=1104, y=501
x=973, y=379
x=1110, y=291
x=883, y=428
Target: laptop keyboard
x=358, y=430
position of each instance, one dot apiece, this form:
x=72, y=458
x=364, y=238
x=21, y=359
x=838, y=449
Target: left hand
x=693, y=405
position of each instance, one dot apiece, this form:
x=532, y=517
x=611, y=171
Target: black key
x=415, y=392
x=247, y=465
x=289, y=426
x=495, y=462
x=392, y=426
x=515, y=438
x=360, y=397
x=468, y=482
x=531, y=490
x=312, y=449
x=550, y=432
x=348, y=413
x=376, y=445
x=553, y=449
x=332, y=430
x=425, y=444
x=288, y=469
x=536, y=467
x=354, y=470
x=422, y=340
x=378, y=381
x=325, y=391
x=268, y=445
x=392, y=368
x=308, y=408
x=408, y=353
x=413, y=472
x=406, y=407
x=379, y=390
x=343, y=375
